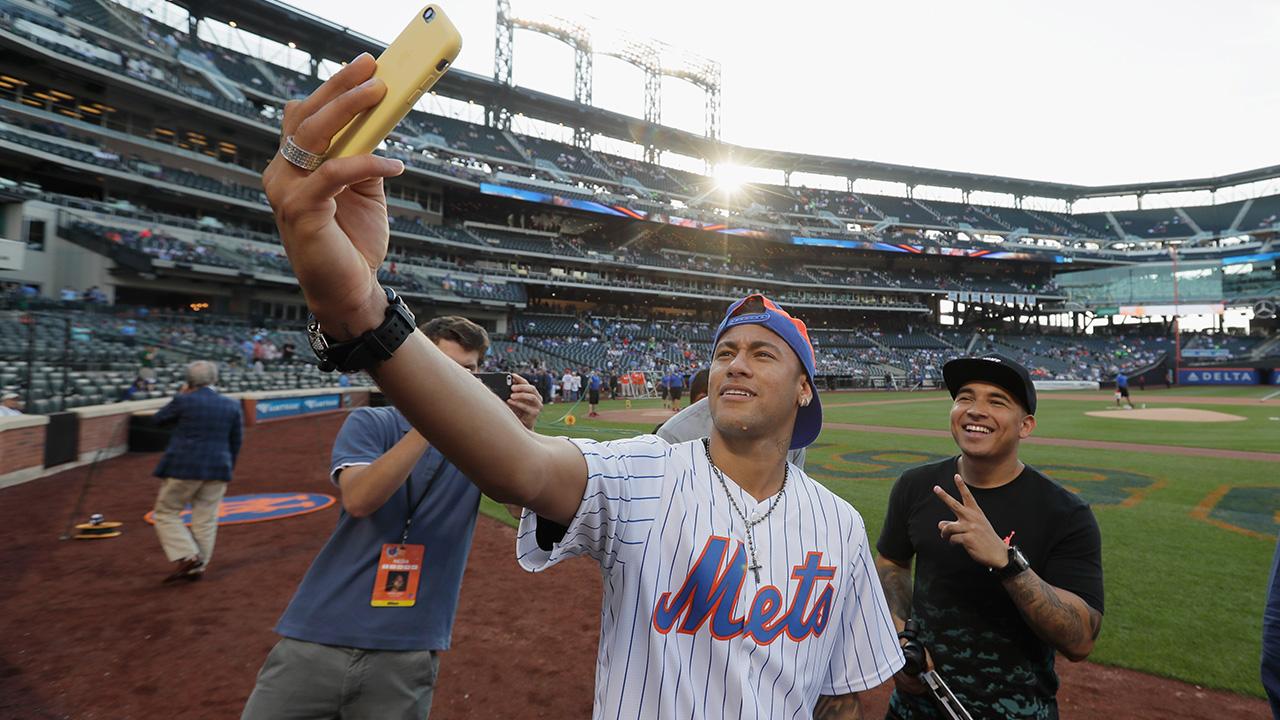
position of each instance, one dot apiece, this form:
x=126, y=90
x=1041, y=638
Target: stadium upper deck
x=242, y=94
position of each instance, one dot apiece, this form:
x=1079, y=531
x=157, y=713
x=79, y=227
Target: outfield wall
x=1065, y=385
x=1220, y=375
x=33, y=446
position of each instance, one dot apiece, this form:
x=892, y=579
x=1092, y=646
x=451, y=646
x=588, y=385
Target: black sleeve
x=1075, y=561
x=895, y=538
x=548, y=532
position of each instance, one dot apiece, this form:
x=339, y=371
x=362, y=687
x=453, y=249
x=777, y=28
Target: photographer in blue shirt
x=347, y=650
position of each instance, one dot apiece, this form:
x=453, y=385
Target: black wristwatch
x=1017, y=564
x=372, y=347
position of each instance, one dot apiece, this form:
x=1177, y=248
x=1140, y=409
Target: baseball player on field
x=734, y=585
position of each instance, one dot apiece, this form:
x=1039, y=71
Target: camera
x=912, y=649
x=500, y=383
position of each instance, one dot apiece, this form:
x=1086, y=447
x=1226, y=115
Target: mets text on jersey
x=712, y=588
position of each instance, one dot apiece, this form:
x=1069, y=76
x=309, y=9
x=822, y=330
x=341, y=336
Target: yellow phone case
x=423, y=52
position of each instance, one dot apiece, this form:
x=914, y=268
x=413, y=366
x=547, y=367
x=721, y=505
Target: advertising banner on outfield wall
x=269, y=409
x=1217, y=376
x=1275, y=377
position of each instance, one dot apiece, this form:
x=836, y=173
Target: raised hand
x=333, y=220
x=971, y=529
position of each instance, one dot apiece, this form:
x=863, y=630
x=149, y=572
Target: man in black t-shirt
x=1008, y=564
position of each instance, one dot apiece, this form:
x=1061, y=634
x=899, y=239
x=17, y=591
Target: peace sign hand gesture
x=971, y=529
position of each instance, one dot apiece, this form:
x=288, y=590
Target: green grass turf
x=1065, y=418
x=1256, y=392
x=1184, y=596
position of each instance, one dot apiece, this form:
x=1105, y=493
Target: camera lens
x=429, y=14
x=440, y=66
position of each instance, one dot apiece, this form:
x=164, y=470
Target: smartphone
x=409, y=66
x=499, y=383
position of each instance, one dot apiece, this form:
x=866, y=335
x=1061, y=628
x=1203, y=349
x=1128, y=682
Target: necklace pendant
x=755, y=570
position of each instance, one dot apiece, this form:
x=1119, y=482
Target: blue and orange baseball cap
x=796, y=335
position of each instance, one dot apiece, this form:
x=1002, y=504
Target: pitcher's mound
x=1167, y=414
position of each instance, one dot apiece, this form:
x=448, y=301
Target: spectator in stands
x=136, y=391
x=195, y=469
x=394, y=486
x=129, y=331
x=10, y=404
x=147, y=364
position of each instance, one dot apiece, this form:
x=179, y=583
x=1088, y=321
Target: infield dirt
x=87, y=631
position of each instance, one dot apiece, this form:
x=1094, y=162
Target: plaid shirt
x=207, y=438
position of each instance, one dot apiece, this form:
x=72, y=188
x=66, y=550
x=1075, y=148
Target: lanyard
x=413, y=507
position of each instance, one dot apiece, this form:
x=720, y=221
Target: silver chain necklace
x=750, y=524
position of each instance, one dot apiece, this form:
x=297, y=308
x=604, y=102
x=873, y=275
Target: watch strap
x=373, y=346
x=1017, y=564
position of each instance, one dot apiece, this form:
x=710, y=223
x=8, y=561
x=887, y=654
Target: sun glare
x=730, y=178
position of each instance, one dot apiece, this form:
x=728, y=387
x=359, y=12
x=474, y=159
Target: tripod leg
x=946, y=699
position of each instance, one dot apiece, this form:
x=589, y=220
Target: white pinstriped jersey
x=685, y=629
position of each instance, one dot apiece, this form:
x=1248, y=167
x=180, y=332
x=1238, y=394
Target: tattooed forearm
x=896, y=581
x=838, y=707
x=1057, y=616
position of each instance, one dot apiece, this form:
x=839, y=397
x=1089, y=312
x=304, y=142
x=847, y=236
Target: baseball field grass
x=1187, y=541
x=1063, y=416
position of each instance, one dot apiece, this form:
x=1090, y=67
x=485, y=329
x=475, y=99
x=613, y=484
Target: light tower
x=497, y=115
x=566, y=31
x=653, y=58
x=646, y=57
x=703, y=73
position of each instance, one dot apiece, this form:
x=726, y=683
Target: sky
x=1090, y=92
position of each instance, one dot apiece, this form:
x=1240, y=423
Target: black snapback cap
x=999, y=370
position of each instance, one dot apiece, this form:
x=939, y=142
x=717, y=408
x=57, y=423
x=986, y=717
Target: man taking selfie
x=798, y=627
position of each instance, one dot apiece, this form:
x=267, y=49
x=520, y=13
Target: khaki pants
x=308, y=681
x=205, y=497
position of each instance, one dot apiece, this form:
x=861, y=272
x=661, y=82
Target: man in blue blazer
x=195, y=469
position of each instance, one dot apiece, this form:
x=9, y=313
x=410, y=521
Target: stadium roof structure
x=283, y=23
